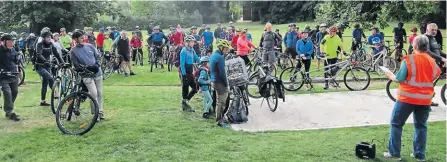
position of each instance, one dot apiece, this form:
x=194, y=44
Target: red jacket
x=178, y=38
x=243, y=46
x=135, y=42
x=100, y=40
x=234, y=41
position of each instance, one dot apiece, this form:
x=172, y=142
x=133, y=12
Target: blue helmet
x=101, y=29
x=204, y=59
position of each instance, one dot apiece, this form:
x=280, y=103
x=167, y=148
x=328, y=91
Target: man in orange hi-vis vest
x=416, y=90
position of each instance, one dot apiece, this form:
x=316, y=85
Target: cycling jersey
x=177, y=37
x=399, y=34
x=188, y=56
x=376, y=38
x=30, y=41
x=65, y=40
x=107, y=44
x=330, y=45
x=207, y=38
x=320, y=36
x=224, y=35
x=157, y=38
x=135, y=42
x=100, y=40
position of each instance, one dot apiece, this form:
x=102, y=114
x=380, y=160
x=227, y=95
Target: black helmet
x=77, y=33
x=6, y=36
x=193, y=27
x=356, y=25
x=45, y=33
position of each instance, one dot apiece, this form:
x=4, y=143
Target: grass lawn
x=146, y=125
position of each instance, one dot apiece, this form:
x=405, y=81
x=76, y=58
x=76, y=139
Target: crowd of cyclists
x=82, y=47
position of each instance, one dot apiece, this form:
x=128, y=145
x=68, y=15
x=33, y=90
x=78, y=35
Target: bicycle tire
x=153, y=60
x=108, y=71
x=23, y=74
x=255, y=95
x=93, y=121
x=56, y=85
x=238, y=92
x=285, y=61
x=350, y=70
x=392, y=66
x=275, y=97
x=443, y=93
x=288, y=79
x=388, y=91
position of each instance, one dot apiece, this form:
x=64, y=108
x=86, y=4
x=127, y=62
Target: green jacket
x=66, y=41
x=107, y=44
x=330, y=45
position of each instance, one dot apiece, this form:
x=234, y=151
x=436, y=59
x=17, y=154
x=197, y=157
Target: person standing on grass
x=136, y=45
x=217, y=31
x=198, y=40
x=91, y=36
x=248, y=34
x=244, y=47
x=204, y=83
x=223, y=34
x=290, y=39
x=357, y=35
x=150, y=28
x=208, y=39
x=416, y=90
x=86, y=55
x=234, y=39
x=413, y=35
x=268, y=41
x=320, y=35
x=100, y=40
x=304, y=50
x=202, y=29
x=188, y=58
x=9, y=83
x=122, y=45
x=219, y=80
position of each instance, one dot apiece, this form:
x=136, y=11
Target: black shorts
x=124, y=58
x=158, y=51
x=355, y=45
x=401, y=44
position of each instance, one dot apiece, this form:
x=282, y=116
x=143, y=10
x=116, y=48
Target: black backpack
x=237, y=112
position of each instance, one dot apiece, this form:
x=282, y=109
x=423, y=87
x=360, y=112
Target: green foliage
x=280, y=12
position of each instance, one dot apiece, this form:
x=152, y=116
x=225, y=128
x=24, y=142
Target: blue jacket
x=320, y=36
x=187, y=56
x=203, y=79
x=357, y=34
x=249, y=37
x=116, y=34
x=208, y=38
x=224, y=35
x=217, y=69
x=290, y=39
x=306, y=49
x=158, y=38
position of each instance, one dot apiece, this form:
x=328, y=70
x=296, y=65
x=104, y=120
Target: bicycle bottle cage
x=365, y=150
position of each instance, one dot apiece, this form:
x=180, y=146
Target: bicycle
x=62, y=85
x=298, y=75
x=264, y=69
x=73, y=112
x=154, y=58
x=391, y=95
x=381, y=59
x=138, y=57
x=112, y=65
x=265, y=86
x=256, y=61
x=284, y=60
x=400, y=51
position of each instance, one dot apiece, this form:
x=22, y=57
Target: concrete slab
x=328, y=110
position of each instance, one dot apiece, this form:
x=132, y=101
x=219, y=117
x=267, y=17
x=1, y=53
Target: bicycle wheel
x=285, y=62
x=292, y=78
x=389, y=63
x=252, y=88
x=272, y=100
x=391, y=93
x=138, y=60
x=77, y=113
x=357, y=76
x=154, y=60
x=443, y=93
x=21, y=75
x=170, y=63
x=108, y=70
x=239, y=93
x=56, y=94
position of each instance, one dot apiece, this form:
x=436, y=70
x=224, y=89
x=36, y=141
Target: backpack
x=196, y=74
x=237, y=112
x=176, y=57
x=265, y=92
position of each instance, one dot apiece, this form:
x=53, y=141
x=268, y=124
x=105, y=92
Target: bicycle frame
x=345, y=64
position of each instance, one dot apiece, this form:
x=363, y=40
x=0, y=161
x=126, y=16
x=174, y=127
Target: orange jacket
x=418, y=88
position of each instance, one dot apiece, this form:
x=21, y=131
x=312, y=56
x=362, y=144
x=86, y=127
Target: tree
x=279, y=12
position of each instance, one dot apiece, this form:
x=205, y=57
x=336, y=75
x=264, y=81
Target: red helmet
x=333, y=29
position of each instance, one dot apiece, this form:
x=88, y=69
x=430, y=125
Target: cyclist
x=138, y=32
x=207, y=39
x=122, y=45
x=198, y=40
x=44, y=51
x=100, y=40
x=313, y=35
x=413, y=35
x=57, y=43
x=150, y=28
x=340, y=31
x=329, y=45
x=248, y=34
x=278, y=43
x=65, y=39
x=204, y=83
x=304, y=50
x=22, y=42
x=230, y=34
x=434, y=49
x=177, y=36
x=376, y=40
x=219, y=81
x=84, y=54
x=231, y=26
x=234, y=40
x=320, y=35
x=16, y=43
x=188, y=57
x=357, y=35
x=8, y=83
x=217, y=31
x=91, y=36
x=202, y=29
x=107, y=45
x=439, y=38
x=136, y=45
x=244, y=47
x=156, y=39
x=290, y=39
x=400, y=37
x=268, y=41
x=223, y=34
x=30, y=42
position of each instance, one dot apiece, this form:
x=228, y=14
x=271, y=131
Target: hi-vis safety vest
x=418, y=87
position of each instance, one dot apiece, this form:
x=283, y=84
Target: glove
x=93, y=68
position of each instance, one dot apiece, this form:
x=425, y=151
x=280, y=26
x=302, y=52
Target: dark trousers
x=188, y=81
x=329, y=62
x=47, y=80
x=291, y=52
x=306, y=65
x=134, y=53
x=246, y=60
x=10, y=89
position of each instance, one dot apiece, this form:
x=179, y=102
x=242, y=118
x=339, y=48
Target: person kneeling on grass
x=204, y=83
x=415, y=92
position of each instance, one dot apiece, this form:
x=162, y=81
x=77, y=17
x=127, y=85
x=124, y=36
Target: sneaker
x=101, y=116
x=387, y=155
x=206, y=115
x=131, y=73
x=417, y=159
x=44, y=103
x=13, y=117
x=125, y=75
x=434, y=104
x=186, y=106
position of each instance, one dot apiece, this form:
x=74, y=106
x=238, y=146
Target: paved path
x=328, y=110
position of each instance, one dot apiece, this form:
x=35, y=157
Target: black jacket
x=44, y=51
x=8, y=60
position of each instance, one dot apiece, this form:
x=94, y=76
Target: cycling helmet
x=14, y=34
x=6, y=37
x=414, y=29
x=32, y=35
x=23, y=33
x=62, y=29
x=223, y=43
x=323, y=25
x=231, y=22
x=307, y=27
x=204, y=59
x=77, y=33
x=137, y=27
x=70, y=33
x=245, y=29
x=193, y=27
x=208, y=27
x=190, y=38
x=290, y=25
x=157, y=28
x=203, y=25
x=339, y=26
x=223, y=27
x=55, y=34
x=333, y=29
x=101, y=29
x=306, y=31
x=46, y=28
x=45, y=34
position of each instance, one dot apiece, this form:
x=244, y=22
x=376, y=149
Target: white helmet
x=190, y=38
